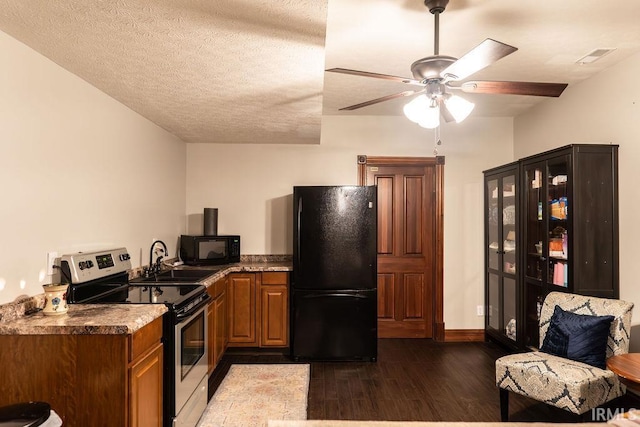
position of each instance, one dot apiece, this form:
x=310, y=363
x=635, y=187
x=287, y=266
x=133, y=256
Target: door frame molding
x=438, y=244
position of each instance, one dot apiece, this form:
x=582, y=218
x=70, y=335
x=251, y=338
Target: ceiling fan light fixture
x=424, y=111
x=430, y=118
x=415, y=108
x=459, y=107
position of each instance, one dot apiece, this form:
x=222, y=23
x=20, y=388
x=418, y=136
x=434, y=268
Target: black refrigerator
x=333, y=291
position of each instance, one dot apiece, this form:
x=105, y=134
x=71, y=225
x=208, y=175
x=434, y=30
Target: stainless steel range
x=102, y=277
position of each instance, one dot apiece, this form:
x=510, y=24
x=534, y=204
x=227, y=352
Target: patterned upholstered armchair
x=574, y=386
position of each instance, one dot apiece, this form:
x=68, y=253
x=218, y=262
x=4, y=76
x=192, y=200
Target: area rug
x=338, y=423
x=251, y=395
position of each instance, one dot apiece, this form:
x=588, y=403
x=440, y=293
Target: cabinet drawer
x=145, y=338
x=275, y=278
x=215, y=289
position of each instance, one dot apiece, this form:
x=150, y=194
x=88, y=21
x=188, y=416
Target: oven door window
x=192, y=344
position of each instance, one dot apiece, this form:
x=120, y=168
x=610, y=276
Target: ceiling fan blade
x=444, y=112
x=376, y=75
x=481, y=56
x=514, y=88
x=384, y=98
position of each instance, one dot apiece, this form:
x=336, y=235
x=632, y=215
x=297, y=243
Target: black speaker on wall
x=210, y=221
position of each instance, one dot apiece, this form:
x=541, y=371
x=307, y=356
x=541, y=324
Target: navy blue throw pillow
x=578, y=337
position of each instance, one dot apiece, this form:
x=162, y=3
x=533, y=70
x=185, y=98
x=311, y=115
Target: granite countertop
x=25, y=317
x=241, y=267
x=85, y=319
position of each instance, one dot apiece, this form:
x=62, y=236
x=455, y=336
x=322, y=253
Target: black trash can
x=28, y=414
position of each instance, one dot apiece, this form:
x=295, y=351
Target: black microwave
x=209, y=250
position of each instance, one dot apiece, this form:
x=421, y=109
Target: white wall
x=603, y=109
x=79, y=171
x=251, y=185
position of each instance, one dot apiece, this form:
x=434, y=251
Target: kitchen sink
x=172, y=276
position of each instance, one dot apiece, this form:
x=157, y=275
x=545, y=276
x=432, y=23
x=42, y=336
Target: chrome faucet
x=154, y=267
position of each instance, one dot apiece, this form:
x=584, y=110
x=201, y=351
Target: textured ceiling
x=234, y=71
x=239, y=71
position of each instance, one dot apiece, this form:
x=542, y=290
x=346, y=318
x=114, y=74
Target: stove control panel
x=82, y=267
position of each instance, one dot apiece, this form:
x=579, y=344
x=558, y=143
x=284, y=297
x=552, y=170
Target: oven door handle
x=186, y=315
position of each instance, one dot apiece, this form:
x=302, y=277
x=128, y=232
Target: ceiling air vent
x=594, y=55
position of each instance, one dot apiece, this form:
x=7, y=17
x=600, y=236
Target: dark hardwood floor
x=415, y=380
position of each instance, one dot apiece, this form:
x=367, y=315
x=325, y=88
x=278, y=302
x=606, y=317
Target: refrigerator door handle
x=298, y=234
x=311, y=296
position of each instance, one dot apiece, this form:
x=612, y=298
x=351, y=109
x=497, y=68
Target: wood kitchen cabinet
x=242, y=310
x=89, y=380
x=217, y=322
x=145, y=391
x=258, y=309
x=274, y=309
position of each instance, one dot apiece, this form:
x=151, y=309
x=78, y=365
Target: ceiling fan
x=438, y=75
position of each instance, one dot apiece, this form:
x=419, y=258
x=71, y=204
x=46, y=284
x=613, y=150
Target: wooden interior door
x=409, y=244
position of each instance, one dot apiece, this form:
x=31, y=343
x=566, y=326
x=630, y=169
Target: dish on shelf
x=559, y=179
x=509, y=245
x=509, y=215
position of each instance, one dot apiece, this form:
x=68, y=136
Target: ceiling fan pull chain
x=436, y=137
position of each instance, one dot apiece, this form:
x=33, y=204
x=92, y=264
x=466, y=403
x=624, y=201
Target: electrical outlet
x=480, y=310
x=51, y=260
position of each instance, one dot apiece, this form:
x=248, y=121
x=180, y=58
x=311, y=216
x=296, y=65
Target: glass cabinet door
x=493, y=255
x=501, y=255
x=493, y=251
x=546, y=239
x=535, y=217
x=547, y=213
x=509, y=224
x=509, y=292
x=558, y=214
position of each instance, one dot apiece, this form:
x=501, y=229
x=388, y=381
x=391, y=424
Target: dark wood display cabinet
x=568, y=239
x=570, y=226
x=502, y=292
